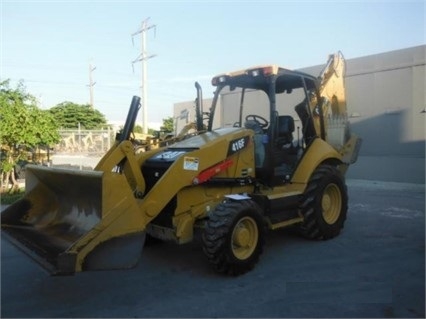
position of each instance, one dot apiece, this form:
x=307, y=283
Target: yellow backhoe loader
x=231, y=183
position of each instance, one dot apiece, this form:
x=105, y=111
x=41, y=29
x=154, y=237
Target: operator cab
x=277, y=104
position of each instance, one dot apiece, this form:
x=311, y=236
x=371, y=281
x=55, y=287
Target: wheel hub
x=331, y=203
x=326, y=202
x=244, y=238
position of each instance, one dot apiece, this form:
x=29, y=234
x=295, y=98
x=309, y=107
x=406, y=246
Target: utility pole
x=91, y=84
x=143, y=57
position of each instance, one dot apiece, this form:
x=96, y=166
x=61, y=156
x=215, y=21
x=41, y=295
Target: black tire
x=234, y=237
x=325, y=204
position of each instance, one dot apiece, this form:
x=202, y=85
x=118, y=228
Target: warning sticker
x=190, y=163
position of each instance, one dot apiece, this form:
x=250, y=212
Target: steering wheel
x=258, y=119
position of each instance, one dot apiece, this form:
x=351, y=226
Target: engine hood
x=207, y=139
x=198, y=141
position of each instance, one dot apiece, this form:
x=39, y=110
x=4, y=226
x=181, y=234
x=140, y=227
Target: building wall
x=184, y=113
x=386, y=96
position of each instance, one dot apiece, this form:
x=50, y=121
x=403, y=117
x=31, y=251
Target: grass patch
x=7, y=199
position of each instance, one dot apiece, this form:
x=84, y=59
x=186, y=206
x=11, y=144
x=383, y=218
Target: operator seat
x=284, y=153
x=285, y=130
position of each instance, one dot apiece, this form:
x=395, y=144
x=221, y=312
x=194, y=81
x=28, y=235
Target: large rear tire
x=325, y=204
x=234, y=236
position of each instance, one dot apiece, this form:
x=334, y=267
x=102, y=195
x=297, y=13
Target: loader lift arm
x=119, y=154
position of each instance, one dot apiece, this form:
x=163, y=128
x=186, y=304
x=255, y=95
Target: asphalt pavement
x=374, y=269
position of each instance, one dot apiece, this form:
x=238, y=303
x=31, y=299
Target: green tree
x=137, y=128
x=23, y=126
x=168, y=124
x=69, y=114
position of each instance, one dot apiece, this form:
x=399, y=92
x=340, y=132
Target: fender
x=318, y=152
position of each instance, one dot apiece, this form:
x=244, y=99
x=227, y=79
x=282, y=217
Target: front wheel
x=325, y=204
x=233, y=237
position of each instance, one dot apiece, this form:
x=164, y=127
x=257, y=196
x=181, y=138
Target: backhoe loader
x=230, y=183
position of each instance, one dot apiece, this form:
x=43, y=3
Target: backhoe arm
x=332, y=85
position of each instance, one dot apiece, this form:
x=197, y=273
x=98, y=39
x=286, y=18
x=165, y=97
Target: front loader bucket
x=66, y=221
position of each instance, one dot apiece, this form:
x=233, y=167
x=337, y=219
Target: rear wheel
x=325, y=204
x=233, y=237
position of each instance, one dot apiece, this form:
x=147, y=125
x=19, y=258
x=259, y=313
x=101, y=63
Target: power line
x=129, y=87
x=45, y=82
x=143, y=57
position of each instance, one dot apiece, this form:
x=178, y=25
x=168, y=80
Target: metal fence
x=87, y=142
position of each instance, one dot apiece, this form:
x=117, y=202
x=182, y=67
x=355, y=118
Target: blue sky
x=49, y=44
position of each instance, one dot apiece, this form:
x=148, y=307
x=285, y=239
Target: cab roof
x=256, y=78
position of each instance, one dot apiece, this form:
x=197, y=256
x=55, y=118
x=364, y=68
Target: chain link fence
x=87, y=142
x=81, y=149
x=77, y=149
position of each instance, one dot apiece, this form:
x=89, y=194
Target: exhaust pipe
x=199, y=107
